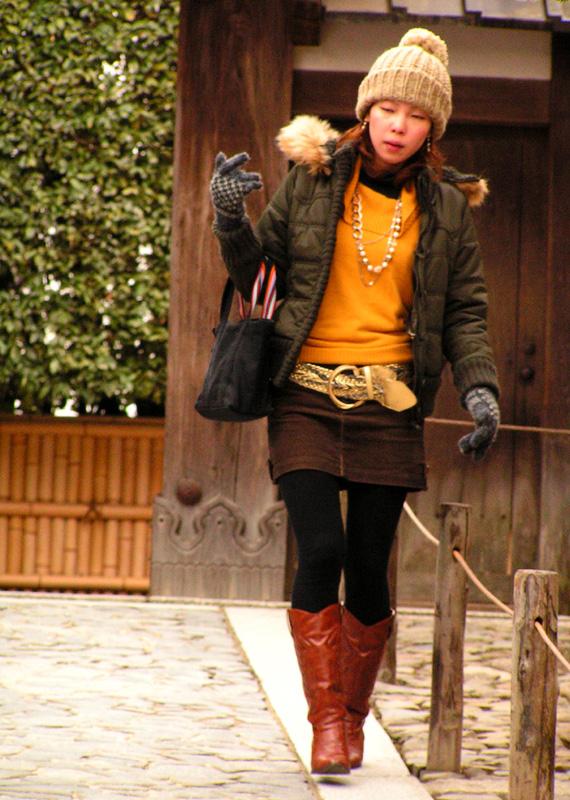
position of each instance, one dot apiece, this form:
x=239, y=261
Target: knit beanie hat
x=415, y=72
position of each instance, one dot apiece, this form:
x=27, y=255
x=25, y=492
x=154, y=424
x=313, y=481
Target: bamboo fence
x=76, y=502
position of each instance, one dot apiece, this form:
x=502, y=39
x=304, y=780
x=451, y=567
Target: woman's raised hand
x=229, y=186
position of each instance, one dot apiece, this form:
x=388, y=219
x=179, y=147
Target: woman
x=380, y=278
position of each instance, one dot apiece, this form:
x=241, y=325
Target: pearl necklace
x=365, y=268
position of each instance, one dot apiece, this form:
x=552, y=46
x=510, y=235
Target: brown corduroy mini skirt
x=367, y=444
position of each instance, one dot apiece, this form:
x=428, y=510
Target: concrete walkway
x=107, y=698
x=267, y=643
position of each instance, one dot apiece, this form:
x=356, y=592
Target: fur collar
x=309, y=141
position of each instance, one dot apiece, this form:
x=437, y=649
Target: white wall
x=352, y=42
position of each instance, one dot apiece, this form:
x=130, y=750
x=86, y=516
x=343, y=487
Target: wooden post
x=534, y=687
x=388, y=664
x=446, y=713
x=216, y=529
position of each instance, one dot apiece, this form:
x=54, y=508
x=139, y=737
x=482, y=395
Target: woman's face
x=397, y=131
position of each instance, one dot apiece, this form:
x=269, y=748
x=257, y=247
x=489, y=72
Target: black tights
x=325, y=549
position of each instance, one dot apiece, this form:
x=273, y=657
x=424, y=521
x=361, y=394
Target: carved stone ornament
x=219, y=517
x=216, y=521
x=169, y=524
x=270, y=525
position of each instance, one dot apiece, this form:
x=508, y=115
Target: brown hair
x=408, y=171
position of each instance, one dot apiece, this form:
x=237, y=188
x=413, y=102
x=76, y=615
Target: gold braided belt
x=385, y=383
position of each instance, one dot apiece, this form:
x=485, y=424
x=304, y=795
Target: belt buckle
x=337, y=371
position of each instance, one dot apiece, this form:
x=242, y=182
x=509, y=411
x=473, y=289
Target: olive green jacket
x=297, y=231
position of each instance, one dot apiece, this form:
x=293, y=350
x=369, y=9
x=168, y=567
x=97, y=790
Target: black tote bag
x=236, y=386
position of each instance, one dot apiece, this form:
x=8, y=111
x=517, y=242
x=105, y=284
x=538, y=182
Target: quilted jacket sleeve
x=465, y=338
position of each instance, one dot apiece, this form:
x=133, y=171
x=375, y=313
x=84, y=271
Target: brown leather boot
x=317, y=640
x=362, y=649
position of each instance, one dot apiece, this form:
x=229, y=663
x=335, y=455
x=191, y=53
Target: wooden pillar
x=389, y=663
x=555, y=499
x=534, y=687
x=446, y=711
x=217, y=530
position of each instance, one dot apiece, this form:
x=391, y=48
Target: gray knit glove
x=483, y=407
x=228, y=187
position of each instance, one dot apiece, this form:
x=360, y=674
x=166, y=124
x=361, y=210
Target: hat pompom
x=428, y=41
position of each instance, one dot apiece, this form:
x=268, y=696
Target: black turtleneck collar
x=384, y=185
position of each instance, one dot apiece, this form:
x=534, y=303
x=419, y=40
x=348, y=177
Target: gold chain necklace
x=365, y=268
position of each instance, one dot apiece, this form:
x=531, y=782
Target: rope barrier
x=503, y=427
x=420, y=525
x=552, y=646
x=459, y=558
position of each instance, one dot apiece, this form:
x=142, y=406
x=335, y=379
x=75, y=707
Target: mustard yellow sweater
x=359, y=324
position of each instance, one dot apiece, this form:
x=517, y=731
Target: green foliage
x=86, y=140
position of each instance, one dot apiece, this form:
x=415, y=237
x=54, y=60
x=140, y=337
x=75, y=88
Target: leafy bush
x=86, y=140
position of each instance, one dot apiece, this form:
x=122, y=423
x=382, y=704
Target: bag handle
x=226, y=304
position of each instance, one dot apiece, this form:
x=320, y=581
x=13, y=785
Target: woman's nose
x=398, y=123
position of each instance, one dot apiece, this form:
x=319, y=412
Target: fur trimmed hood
x=309, y=141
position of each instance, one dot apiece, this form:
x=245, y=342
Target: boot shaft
x=317, y=641
x=362, y=650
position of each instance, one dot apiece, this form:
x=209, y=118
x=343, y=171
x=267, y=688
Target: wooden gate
x=76, y=502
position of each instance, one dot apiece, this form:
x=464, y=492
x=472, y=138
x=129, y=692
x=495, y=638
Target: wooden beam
x=501, y=101
x=308, y=22
x=234, y=82
x=80, y=511
x=328, y=94
x=100, y=427
x=77, y=583
x=482, y=101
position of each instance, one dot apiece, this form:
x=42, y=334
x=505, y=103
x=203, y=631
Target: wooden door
x=503, y=490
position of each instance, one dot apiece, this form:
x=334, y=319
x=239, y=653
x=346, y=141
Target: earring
x=428, y=144
x=364, y=124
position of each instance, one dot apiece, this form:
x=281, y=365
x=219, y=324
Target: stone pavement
x=110, y=698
